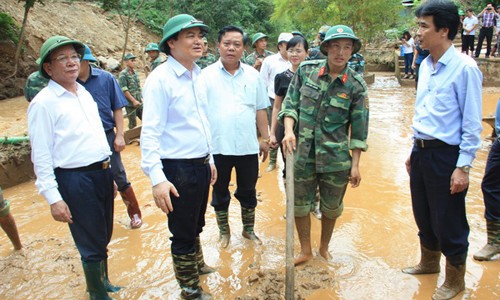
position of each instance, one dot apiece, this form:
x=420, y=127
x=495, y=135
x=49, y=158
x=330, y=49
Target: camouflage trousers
x=332, y=187
x=132, y=113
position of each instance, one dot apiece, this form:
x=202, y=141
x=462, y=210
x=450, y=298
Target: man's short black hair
x=226, y=29
x=469, y=9
x=444, y=13
x=166, y=46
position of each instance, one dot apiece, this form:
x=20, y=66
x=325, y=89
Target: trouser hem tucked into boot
x=133, y=210
x=186, y=273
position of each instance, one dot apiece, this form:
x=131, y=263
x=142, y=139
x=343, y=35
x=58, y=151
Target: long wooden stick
x=290, y=276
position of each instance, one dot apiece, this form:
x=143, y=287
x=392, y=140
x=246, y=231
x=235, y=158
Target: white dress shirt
x=174, y=119
x=233, y=101
x=65, y=131
x=271, y=66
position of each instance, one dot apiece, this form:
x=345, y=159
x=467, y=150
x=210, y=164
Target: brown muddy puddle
x=375, y=237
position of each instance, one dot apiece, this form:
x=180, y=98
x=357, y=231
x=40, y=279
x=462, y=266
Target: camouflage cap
x=340, y=32
x=53, y=43
x=128, y=56
x=152, y=47
x=177, y=24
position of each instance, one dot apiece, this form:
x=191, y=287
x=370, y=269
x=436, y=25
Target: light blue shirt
x=174, y=119
x=448, y=105
x=233, y=101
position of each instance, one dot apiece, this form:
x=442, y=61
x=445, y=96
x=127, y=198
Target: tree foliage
x=366, y=18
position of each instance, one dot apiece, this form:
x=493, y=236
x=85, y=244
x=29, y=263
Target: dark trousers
x=119, y=174
x=89, y=196
x=440, y=216
x=408, y=61
x=186, y=221
x=488, y=33
x=468, y=43
x=280, y=134
x=491, y=184
x=247, y=171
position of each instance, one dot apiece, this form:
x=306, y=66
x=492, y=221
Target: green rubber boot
x=95, y=280
x=111, y=288
x=224, y=230
x=203, y=268
x=248, y=219
x=186, y=273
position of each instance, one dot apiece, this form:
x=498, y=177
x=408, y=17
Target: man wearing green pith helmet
x=259, y=42
x=325, y=114
x=175, y=145
x=153, y=52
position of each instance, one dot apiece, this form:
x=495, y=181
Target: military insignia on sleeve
x=367, y=105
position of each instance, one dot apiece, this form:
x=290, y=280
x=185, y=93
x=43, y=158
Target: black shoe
x=487, y=56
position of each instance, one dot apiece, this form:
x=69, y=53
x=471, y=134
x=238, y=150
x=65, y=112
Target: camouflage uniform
x=252, y=57
x=155, y=64
x=357, y=63
x=205, y=61
x=315, y=53
x=325, y=110
x=34, y=84
x=130, y=82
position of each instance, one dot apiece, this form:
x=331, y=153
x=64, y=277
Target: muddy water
x=373, y=240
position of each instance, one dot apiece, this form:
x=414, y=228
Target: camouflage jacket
x=155, y=63
x=315, y=53
x=205, y=61
x=325, y=111
x=34, y=84
x=130, y=82
x=252, y=57
x=357, y=63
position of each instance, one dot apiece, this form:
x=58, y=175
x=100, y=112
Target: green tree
x=366, y=18
x=27, y=6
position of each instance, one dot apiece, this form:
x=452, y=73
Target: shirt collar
x=180, y=70
x=221, y=66
x=60, y=90
x=447, y=56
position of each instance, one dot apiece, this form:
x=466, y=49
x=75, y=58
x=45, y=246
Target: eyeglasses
x=64, y=59
x=295, y=51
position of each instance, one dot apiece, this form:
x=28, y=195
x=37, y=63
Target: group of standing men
x=199, y=125
x=489, y=30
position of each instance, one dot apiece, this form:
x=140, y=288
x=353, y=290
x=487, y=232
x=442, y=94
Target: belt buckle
x=207, y=160
x=105, y=165
x=420, y=143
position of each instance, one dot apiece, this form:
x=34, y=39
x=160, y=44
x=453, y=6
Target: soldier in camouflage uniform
x=357, y=63
x=207, y=58
x=153, y=52
x=259, y=42
x=326, y=100
x=34, y=84
x=131, y=87
x=315, y=52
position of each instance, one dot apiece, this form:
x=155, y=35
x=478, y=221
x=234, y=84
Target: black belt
x=194, y=161
x=100, y=165
x=429, y=143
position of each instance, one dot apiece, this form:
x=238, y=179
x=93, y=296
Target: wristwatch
x=466, y=169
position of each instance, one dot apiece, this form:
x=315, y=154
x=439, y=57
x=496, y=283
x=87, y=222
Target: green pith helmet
x=177, y=24
x=53, y=43
x=340, y=32
x=257, y=36
x=128, y=56
x=152, y=47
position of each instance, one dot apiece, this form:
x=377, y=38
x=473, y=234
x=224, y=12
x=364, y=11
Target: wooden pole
x=290, y=276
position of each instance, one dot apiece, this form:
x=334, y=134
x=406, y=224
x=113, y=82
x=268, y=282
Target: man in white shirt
x=271, y=66
x=70, y=155
x=175, y=145
x=470, y=24
x=237, y=102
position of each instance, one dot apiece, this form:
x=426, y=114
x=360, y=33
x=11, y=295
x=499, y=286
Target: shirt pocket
x=337, y=111
x=309, y=99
